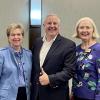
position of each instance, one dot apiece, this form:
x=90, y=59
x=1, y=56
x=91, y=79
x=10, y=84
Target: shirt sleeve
x=1, y=63
x=97, y=96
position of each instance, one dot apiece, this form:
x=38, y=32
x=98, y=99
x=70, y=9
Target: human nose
x=52, y=25
x=84, y=29
x=16, y=36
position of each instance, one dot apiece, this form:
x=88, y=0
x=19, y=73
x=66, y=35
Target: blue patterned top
x=86, y=83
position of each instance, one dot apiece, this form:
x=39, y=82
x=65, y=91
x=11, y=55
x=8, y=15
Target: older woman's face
x=85, y=30
x=15, y=38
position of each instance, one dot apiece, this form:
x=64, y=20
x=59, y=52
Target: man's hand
x=43, y=79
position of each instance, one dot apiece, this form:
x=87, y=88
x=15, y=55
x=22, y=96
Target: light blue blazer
x=9, y=73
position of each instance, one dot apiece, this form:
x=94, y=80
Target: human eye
x=49, y=23
x=88, y=27
x=55, y=23
x=12, y=35
x=81, y=27
x=18, y=34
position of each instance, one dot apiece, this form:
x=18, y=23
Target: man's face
x=51, y=26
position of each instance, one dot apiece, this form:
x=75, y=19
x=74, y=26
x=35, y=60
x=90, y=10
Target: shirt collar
x=16, y=53
x=44, y=39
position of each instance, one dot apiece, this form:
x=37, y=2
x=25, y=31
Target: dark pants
x=21, y=94
x=77, y=98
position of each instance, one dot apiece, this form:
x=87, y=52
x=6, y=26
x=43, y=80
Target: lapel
x=52, y=48
x=13, y=56
x=39, y=45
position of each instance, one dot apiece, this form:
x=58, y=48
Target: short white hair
x=55, y=15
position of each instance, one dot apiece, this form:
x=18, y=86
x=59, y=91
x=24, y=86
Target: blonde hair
x=14, y=26
x=95, y=32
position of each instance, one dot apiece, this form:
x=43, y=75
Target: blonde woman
x=86, y=82
x=15, y=66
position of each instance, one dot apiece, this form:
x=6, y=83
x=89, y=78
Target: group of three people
x=44, y=73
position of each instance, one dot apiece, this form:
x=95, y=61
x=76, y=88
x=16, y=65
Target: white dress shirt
x=45, y=49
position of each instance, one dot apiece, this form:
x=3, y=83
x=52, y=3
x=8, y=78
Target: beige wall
x=13, y=11
x=70, y=11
